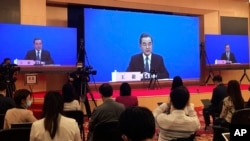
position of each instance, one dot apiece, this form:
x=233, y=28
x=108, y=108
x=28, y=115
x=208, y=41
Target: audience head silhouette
x=137, y=124
x=22, y=98
x=179, y=97
x=234, y=92
x=52, y=107
x=125, y=89
x=2, y=87
x=106, y=90
x=68, y=92
x=177, y=82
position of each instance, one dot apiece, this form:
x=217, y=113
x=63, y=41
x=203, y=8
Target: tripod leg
x=91, y=94
x=242, y=77
x=149, y=85
x=154, y=83
x=87, y=106
x=209, y=76
x=92, y=98
x=247, y=78
x=158, y=83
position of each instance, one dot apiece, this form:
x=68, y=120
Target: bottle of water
x=15, y=61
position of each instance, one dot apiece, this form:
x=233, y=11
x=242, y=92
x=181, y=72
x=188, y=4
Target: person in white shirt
x=53, y=125
x=68, y=93
x=176, y=124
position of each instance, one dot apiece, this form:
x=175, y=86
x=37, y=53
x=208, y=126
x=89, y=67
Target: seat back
x=107, y=131
x=15, y=134
x=22, y=125
x=1, y=120
x=78, y=116
x=190, y=138
x=241, y=117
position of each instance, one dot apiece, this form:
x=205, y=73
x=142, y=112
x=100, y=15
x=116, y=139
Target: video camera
x=87, y=70
x=7, y=71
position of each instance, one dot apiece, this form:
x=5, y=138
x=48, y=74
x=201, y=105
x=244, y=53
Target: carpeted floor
x=154, y=92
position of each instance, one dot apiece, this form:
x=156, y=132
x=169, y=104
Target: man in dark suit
x=38, y=54
x=147, y=61
x=219, y=93
x=227, y=55
x=108, y=111
x=5, y=102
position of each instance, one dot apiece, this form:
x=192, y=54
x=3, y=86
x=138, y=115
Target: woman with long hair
x=53, y=125
x=234, y=101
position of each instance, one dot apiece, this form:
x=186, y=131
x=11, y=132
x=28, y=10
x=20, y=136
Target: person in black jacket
x=5, y=102
x=219, y=93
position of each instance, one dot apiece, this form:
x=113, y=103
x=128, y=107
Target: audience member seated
x=177, y=124
x=177, y=82
x=69, y=98
x=125, y=96
x=108, y=111
x=219, y=93
x=53, y=125
x=20, y=114
x=234, y=101
x=137, y=124
x=5, y=102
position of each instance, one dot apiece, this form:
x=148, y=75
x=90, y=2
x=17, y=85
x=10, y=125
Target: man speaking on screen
x=228, y=55
x=38, y=54
x=147, y=61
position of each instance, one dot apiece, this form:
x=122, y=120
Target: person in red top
x=125, y=96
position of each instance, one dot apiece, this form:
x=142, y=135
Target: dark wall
x=75, y=20
x=10, y=11
x=234, y=26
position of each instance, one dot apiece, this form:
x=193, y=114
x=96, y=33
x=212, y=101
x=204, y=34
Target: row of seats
x=22, y=131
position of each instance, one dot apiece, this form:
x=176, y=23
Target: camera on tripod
x=7, y=71
x=86, y=71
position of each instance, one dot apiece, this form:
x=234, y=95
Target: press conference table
x=47, y=77
x=47, y=68
x=235, y=66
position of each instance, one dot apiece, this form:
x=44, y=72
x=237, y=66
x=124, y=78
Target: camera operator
x=8, y=74
x=80, y=80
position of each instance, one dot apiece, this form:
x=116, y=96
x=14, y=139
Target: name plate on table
x=28, y=62
x=24, y=62
x=222, y=62
x=126, y=76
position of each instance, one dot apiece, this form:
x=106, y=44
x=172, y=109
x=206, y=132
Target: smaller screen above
x=233, y=48
x=57, y=44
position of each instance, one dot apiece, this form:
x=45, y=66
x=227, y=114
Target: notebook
x=206, y=102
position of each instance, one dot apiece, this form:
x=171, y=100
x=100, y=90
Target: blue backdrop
x=215, y=46
x=112, y=37
x=16, y=40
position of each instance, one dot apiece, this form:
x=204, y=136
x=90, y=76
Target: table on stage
x=219, y=67
x=49, y=77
